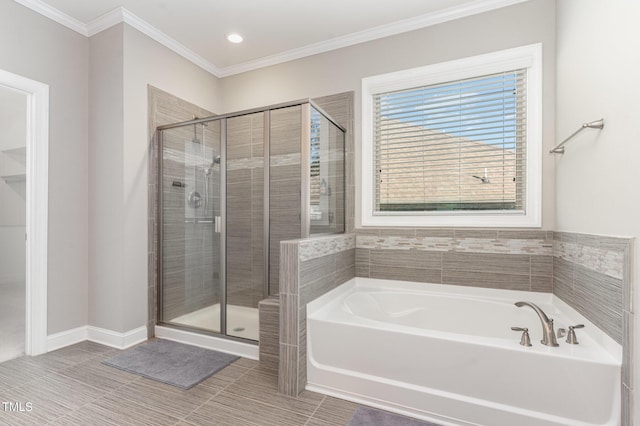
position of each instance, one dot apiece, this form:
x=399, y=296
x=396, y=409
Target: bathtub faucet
x=548, y=335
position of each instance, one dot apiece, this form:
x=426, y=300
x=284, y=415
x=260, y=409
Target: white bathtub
x=447, y=354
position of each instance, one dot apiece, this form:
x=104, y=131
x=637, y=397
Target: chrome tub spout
x=548, y=335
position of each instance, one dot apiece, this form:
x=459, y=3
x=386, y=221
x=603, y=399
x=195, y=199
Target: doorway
x=24, y=160
x=13, y=204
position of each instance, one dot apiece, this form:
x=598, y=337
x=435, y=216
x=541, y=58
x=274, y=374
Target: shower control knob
x=524, y=340
x=571, y=335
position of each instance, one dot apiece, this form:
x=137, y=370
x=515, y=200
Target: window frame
x=529, y=57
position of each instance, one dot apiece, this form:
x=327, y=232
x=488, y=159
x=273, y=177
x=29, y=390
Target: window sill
x=487, y=220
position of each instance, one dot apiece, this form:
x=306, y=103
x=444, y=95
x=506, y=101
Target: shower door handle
x=217, y=224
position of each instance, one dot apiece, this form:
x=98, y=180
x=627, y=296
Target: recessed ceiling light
x=234, y=38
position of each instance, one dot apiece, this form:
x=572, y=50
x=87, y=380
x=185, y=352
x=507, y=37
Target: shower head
x=195, y=134
x=209, y=170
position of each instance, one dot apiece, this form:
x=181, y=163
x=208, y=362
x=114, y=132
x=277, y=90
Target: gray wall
x=124, y=63
x=40, y=49
x=596, y=177
x=105, y=179
x=342, y=70
x=148, y=62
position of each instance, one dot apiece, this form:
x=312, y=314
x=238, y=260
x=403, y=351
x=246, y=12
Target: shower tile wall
x=284, y=186
x=164, y=108
x=245, y=209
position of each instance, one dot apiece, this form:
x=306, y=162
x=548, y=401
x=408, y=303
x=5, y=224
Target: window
x=454, y=144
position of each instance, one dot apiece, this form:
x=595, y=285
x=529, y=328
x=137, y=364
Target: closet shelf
x=20, y=177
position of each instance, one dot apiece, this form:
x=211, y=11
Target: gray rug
x=170, y=362
x=366, y=416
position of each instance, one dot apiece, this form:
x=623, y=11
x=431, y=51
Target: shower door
x=191, y=226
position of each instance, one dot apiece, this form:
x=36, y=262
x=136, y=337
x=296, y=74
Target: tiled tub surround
x=593, y=275
x=309, y=268
x=590, y=273
x=504, y=259
x=269, y=316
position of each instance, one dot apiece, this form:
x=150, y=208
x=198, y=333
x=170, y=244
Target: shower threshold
x=242, y=321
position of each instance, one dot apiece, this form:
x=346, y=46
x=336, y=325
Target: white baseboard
x=116, y=340
x=98, y=335
x=245, y=350
x=66, y=338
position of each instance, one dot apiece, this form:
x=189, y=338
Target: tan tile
x=98, y=375
x=166, y=399
x=113, y=410
x=335, y=411
x=231, y=409
x=262, y=386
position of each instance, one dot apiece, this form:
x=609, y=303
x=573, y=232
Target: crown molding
x=121, y=14
x=106, y=21
x=375, y=33
x=169, y=42
x=55, y=15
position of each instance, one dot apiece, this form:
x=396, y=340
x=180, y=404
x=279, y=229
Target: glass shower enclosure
x=231, y=187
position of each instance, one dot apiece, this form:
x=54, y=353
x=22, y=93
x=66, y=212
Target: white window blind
x=455, y=146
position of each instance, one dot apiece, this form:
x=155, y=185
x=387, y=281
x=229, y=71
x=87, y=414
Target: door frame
x=37, y=207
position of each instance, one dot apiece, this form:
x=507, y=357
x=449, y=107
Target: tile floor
x=70, y=386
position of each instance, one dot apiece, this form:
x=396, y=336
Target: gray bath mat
x=170, y=362
x=366, y=416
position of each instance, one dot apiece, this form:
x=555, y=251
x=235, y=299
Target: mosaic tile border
x=605, y=255
x=323, y=246
x=540, y=247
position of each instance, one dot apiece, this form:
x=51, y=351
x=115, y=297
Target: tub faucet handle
x=524, y=340
x=571, y=336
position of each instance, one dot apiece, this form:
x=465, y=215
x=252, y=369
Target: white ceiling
x=274, y=30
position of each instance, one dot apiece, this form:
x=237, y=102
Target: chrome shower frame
x=305, y=195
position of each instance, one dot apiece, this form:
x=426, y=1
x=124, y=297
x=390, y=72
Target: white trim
x=114, y=339
x=66, y=338
x=169, y=42
x=55, y=15
x=121, y=14
x=37, y=207
x=98, y=335
x=394, y=28
x=526, y=56
x=245, y=350
x=104, y=22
